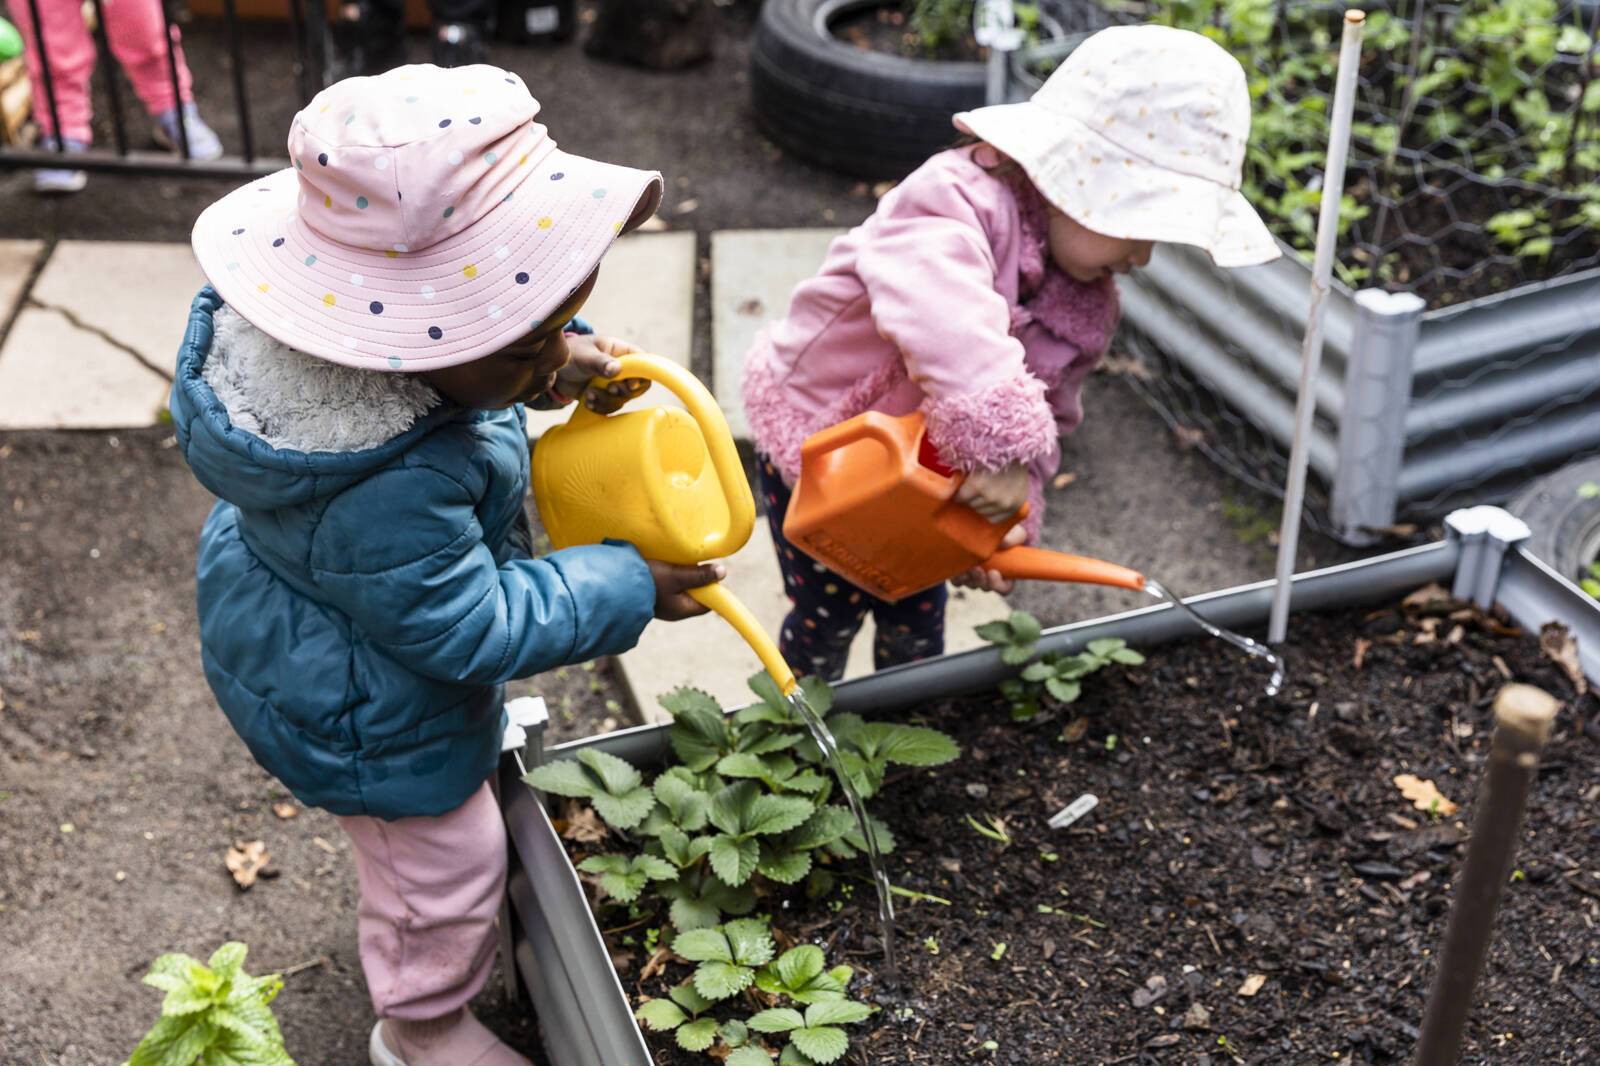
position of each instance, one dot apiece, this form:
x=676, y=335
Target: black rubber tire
x=865, y=113
x=1565, y=523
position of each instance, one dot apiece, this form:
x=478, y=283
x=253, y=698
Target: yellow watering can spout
x=667, y=481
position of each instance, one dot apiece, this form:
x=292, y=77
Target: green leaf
x=1016, y=654
x=1027, y=629
x=1589, y=490
x=171, y=1037
x=655, y=869
x=227, y=960
x=799, y=965
x=703, y=945
x=562, y=778
x=719, y=980
x=728, y=806
x=823, y=1045
x=690, y=808
x=1102, y=649
x=699, y=732
x=836, y=1012
x=818, y=695
x=782, y=865
x=777, y=1020
x=742, y=764
x=777, y=814
x=734, y=860
x=1037, y=672
x=697, y=1036
x=792, y=1056
x=604, y=864
x=825, y=825
x=690, y=912
x=766, y=691
x=1572, y=41
x=749, y=1056
x=998, y=632
x=1127, y=657
x=777, y=740
x=616, y=775
x=625, y=811
x=913, y=745
x=685, y=996
x=751, y=940
x=661, y=1015
x=734, y=1033
x=1063, y=691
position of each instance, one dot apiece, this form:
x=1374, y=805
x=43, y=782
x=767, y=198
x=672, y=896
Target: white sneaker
x=56, y=181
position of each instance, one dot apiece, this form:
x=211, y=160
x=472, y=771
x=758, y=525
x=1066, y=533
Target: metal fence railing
x=1464, y=341
x=308, y=25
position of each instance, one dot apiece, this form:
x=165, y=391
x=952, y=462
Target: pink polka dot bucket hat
x=428, y=220
x=1140, y=134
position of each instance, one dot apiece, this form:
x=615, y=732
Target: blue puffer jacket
x=360, y=609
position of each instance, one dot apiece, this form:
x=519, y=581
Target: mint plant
x=728, y=956
x=816, y=1034
x=615, y=788
x=214, y=1014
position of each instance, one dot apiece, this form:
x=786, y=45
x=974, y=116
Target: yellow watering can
x=667, y=481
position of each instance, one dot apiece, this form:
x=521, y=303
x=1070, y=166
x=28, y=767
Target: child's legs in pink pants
x=137, y=34
x=430, y=892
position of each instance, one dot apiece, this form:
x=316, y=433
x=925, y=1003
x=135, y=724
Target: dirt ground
x=1252, y=888
x=121, y=785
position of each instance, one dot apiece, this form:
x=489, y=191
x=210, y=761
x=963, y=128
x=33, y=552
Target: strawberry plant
x=214, y=1014
x=614, y=788
x=1057, y=676
x=801, y=974
x=816, y=1033
x=728, y=955
x=624, y=878
x=679, y=1014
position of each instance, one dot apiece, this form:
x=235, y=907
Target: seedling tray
x=558, y=947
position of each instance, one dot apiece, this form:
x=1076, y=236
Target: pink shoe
x=457, y=1039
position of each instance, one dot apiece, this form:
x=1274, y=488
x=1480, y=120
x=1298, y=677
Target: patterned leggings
x=828, y=610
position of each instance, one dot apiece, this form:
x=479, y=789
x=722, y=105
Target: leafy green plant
x=802, y=975
x=868, y=749
x=214, y=1014
x=991, y=827
x=728, y=955
x=1590, y=581
x=816, y=1033
x=744, y=813
x=1057, y=676
x=1016, y=636
x=615, y=788
x=625, y=878
x=679, y=1014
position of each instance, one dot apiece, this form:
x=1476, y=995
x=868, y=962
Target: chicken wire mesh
x=1472, y=184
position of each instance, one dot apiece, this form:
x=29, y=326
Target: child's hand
x=995, y=494
x=673, y=602
x=593, y=357
x=979, y=578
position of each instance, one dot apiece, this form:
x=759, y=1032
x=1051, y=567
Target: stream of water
x=1244, y=644
x=830, y=749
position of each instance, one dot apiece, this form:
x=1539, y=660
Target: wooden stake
x=1523, y=716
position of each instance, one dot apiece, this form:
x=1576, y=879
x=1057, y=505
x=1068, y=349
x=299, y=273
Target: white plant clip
x=994, y=24
x=1074, y=810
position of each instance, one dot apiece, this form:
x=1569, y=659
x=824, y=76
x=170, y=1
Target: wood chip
x=285, y=811
x=245, y=860
x=1252, y=984
x=1424, y=795
x=1500, y=665
x=1075, y=731
x=1428, y=596
x=325, y=846
x=1359, y=659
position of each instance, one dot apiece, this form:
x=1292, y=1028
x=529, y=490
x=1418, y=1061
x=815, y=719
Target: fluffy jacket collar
x=295, y=401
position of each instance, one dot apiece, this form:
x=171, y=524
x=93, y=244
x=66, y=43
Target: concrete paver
x=16, y=264
x=753, y=273
x=54, y=375
x=645, y=296
x=707, y=654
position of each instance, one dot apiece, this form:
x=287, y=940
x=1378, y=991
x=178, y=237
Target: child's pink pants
x=430, y=892
x=134, y=28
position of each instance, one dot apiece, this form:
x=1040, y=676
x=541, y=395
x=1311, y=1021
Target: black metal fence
x=308, y=25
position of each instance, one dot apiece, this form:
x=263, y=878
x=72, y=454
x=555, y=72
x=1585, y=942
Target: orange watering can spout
x=875, y=505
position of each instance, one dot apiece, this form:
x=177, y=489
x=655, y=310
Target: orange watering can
x=667, y=481
x=875, y=505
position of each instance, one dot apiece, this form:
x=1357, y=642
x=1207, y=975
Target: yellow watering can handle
x=719, y=599
x=702, y=407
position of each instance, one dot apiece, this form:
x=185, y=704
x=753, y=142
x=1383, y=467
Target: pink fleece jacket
x=943, y=301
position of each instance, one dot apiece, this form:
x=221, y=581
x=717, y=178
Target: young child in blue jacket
x=351, y=387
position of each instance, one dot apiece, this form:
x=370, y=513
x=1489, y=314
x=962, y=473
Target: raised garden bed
x=1471, y=198
x=1241, y=844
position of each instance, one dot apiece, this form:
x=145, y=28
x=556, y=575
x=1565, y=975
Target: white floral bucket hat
x=1140, y=134
x=428, y=220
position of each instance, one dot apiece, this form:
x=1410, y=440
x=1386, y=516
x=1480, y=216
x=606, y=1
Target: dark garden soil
x=1253, y=888
x=886, y=28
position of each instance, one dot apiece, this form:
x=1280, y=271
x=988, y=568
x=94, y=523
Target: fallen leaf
x=583, y=825
x=1557, y=644
x=1061, y=481
x=285, y=811
x=1424, y=795
x=1363, y=645
x=1075, y=731
x=245, y=860
x=1252, y=984
x=1428, y=596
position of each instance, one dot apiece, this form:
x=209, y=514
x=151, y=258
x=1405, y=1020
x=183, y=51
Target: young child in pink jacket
x=982, y=293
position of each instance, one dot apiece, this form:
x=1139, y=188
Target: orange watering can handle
x=702, y=407
x=1040, y=565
